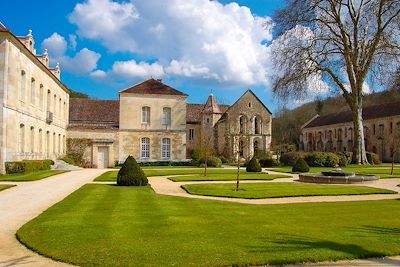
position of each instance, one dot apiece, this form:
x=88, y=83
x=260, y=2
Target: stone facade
x=335, y=132
x=34, y=112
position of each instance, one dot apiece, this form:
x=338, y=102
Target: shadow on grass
x=376, y=230
x=300, y=249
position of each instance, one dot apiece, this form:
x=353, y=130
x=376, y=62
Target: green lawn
x=227, y=177
x=383, y=171
x=111, y=176
x=5, y=186
x=105, y=225
x=32, y=176
x=273, y=190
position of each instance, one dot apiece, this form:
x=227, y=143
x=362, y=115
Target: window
x=208, y=120
x=255, y=146
x=145, y=148
x=249, y=104
x=65, y=110
x=54, y=104
x=22, y=85
x=191, y=134
x=59, y=108
x=166, y=148
x=40, y=141
x=257, y=125
x=381, y=130
x=32, y=140
x=242, y=124
x=166, y=119
x=145, y=114
x=48, y=100
x=340, y=133
x=21, y=138
x=374, y=129
x=33, y=91
x=391, y=127
x=41, y=92
x=47, y=143
x=59, y=143
x=63, y=148
x=54, y=143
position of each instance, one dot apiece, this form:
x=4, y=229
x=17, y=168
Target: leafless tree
x=206, y=148
x=342, y=44
x=394, y=145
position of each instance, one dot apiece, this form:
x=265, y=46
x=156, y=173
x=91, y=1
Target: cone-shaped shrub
x=253, y=165
x=300, y=166
x=131, y=174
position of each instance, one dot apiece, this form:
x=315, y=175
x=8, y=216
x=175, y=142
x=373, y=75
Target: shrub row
x=27, y=166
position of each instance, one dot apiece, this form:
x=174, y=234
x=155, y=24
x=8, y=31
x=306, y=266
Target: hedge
x=290, y=158
x=268, y=163
x=27, y=166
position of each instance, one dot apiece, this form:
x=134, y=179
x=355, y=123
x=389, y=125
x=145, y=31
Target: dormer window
x=146, y=115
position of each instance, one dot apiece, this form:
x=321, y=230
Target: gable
x=249, y=103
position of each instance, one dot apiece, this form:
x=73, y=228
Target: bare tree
x=341, y=43
x=206, y=148
x=237, y=148
x=394, y=145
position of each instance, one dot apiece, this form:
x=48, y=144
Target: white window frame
x=166, y=148
x=146, y=114
x=145, y=148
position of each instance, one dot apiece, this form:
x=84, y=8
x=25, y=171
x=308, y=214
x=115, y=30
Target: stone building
x=34, y=102
x=152, y=122
x=334, y=132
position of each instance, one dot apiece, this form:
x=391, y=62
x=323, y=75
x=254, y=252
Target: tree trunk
x=238, y=172
x=205, y=164
x=391, y=172
x=359, y=153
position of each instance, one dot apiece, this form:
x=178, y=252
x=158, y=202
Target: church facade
x=153, y=122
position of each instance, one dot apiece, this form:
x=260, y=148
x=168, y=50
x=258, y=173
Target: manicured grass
x=112, y=175
x=273, y=190
x=5, y=186
x=231, y=176
x=105, y=225
x=383, y=171
x=32, y=176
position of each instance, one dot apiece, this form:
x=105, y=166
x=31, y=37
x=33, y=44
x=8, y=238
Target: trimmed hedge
x=300, y=166
x=290, y=158
x=27, y=166
x=253, y=165
x=131, y=174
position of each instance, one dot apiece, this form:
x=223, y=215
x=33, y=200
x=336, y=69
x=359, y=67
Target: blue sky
x=196, y=46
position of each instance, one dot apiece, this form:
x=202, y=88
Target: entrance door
x=102, y=157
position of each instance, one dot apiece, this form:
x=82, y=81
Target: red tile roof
x=95, y=113
x=211, y=105
x=371, y=112
x=153, y=86
x=194, y=111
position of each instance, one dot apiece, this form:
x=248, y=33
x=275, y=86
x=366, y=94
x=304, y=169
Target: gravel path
x=22, y=203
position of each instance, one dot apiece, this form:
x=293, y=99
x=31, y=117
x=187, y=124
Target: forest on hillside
x=286, y=125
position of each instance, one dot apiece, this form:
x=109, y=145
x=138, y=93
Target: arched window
x=54, y=143
x=166, y=148
x=21, y=138
x=33, y=82
x=48, y=100
x=40, y=141
x=145, y=148
x=145, y=114
x=55, y=105
x=242, y=124
x=32, y=140
x=166, y=119
x=59, y=143
x=41, y=95
x=47, y=143
x=350, y=134
x=22, y=85
x=340, y=134
x=255, y=146
x=257, y=125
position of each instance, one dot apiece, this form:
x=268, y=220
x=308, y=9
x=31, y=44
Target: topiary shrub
x=290, y=158
x=268, y=162
x=300, y=166
x=131, y=174
x=253, y=165
x=373, y=158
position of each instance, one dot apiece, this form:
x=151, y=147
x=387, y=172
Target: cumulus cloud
x=82, y=62
x=224, y=43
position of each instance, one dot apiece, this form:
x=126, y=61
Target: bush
x=195, y=155
x=300, y=166
x=131, y=174
x=373, y=158
x=343, y=159
x=331, y=160
x=27, y=166
x=316, y=159
x=290, y=158
x=223, y=159
x=253, y=165
x=211, y=162
x=268, y=163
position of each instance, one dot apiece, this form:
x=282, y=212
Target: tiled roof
x=96, y=113
x=153, y=86
x=371, y=112
x=194, y=111
x=2, y=27
x=211, y=105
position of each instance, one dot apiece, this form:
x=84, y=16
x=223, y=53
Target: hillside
x=286, y=125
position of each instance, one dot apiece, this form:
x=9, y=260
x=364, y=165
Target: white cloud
x=190, y=38
x=131, y=69
x=72, y=41
x=82, y=62
x=98, y=74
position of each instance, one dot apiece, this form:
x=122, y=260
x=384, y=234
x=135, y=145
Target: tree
x=340, y=43
x=394, y=145
x=75, y=94
x=206, y=147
